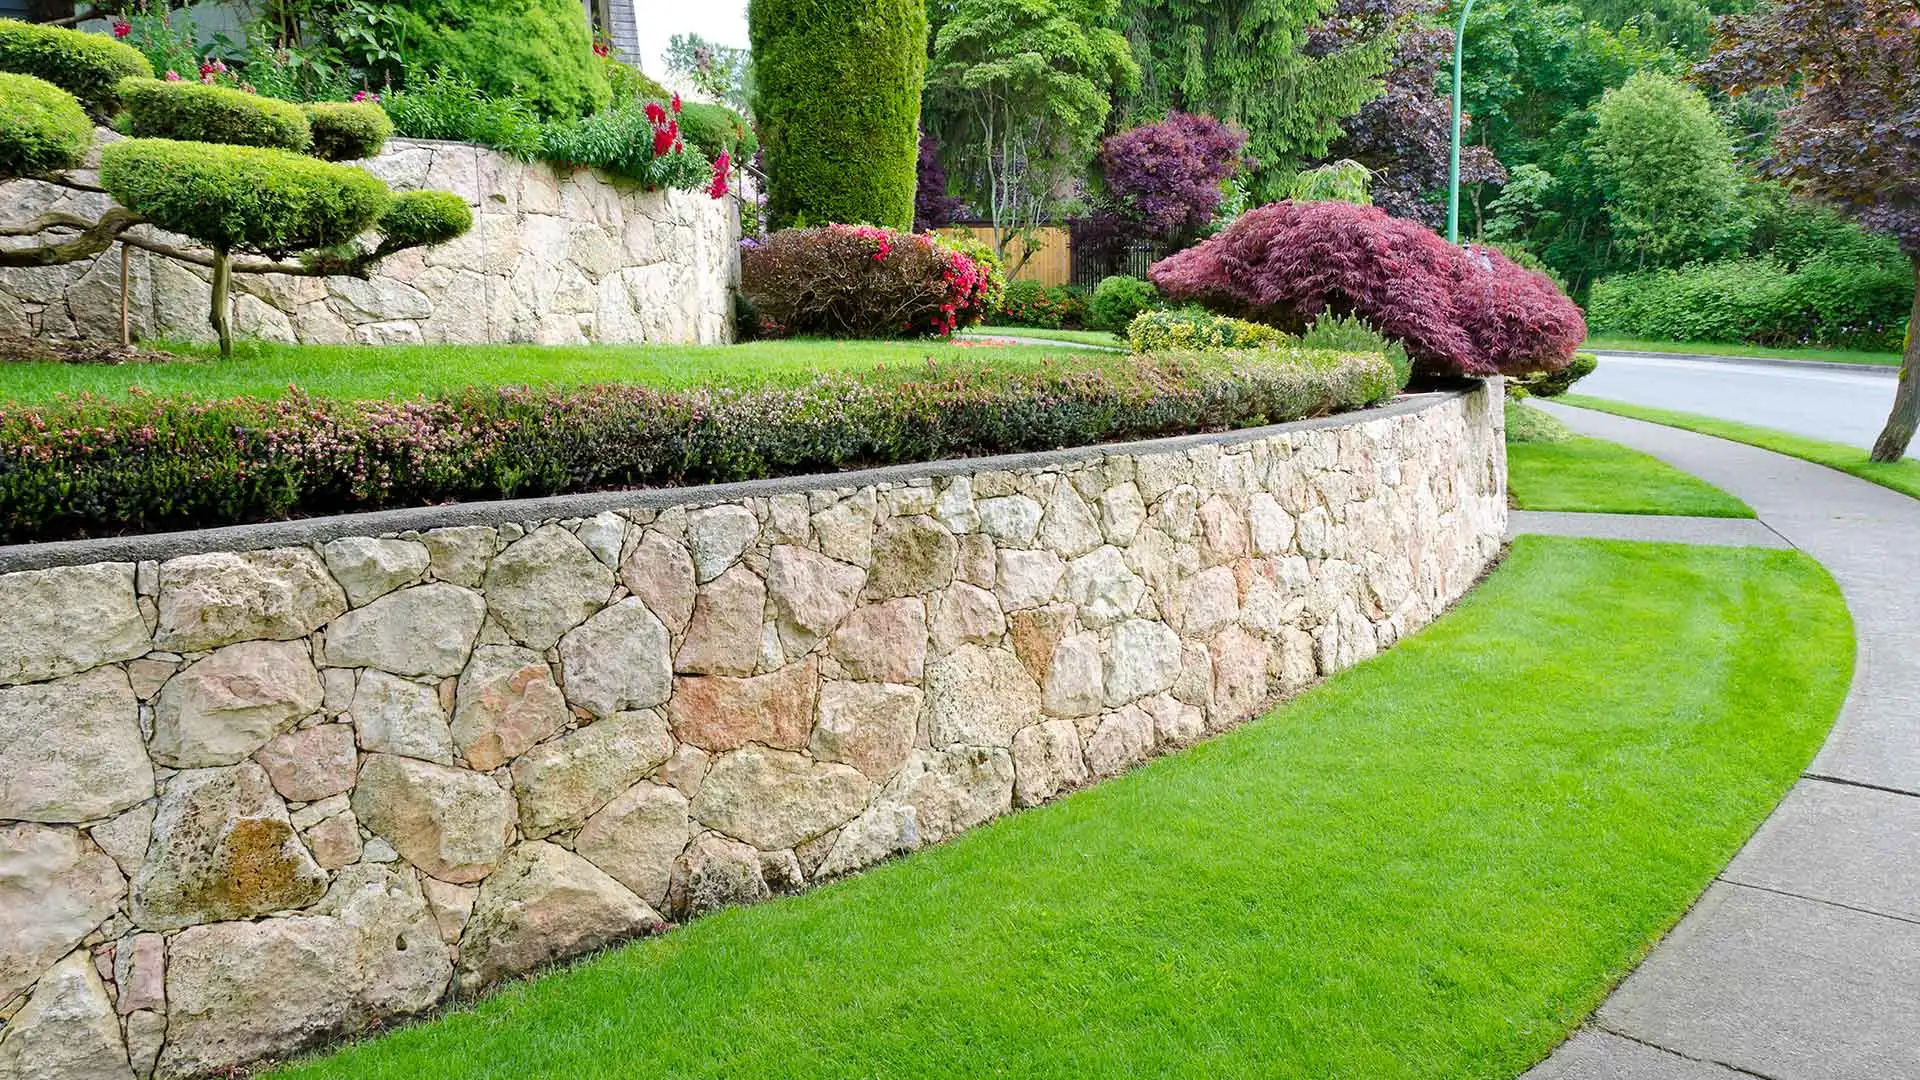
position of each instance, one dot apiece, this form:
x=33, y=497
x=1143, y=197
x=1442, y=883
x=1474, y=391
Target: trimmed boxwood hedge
x=242, y=197
x=92, y=467
x=43, y=129
x=538, y=50
x=837, y=98
x=712, y=128
x=347, y=130
x=88, y=66
x=197, y=112
x=416, y=218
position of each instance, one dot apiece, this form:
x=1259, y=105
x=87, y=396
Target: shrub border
x=303, y=531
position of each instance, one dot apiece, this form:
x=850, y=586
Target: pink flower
x=676, y=102
x=718, y=188
x=173, y=76
x=121, y=28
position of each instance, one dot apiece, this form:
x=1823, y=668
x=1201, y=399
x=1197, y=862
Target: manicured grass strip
x=265, y=370
x=1902, y=476
x=1734, y=348
x=1597, y=476
x=1102, y=338
x=1432, y=866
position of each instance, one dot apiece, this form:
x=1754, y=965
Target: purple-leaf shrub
x=1458, y=310
x=933, y=208
x=1166, y=176
x=864, y=281
x=94, y=467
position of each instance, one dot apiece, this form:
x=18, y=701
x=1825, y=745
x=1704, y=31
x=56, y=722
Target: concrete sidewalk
x=1802, y=961
x=1656, y=528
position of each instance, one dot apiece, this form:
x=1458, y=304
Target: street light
x=1453, y=160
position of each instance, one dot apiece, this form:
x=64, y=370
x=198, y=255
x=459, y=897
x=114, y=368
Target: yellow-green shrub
x=1158, y=331
x=43, y=129
x=242, y=197
x=197, y=112
x=88, y=66
x=347, y=130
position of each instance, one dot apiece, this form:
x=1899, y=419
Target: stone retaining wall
x=255, y=799
x=555, y=257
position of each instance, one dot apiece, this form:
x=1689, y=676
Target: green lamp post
x=1453, y=159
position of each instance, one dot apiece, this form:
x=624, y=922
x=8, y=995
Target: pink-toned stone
x=717, y=713
x=335, y=842
x=966, y=615
x=506, y=703
x=1035, y=633
x=660, y=572
x=140, y=970
x=1239, y=674
x=723, y=637
x=1223, y=531
x=884, y=642
x=311, y=764
x=869, y=726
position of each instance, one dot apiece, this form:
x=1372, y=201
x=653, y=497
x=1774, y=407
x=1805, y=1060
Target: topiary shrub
x=1346, y=333
x=347, y=130
x=418, y=218
x=716, y=129
x=1159, y=331
x=1555, y=383
x=861, y=281
x=837, y=98
x=1045, y=307
x=197, y=112
x=1118, y=299
x=240, y=197
x=538, y=50
x=88, y=66
x=628, y=83
x=43, y=129
x=1459, y=311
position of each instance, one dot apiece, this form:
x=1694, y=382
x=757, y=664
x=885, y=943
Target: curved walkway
x=1802, y=962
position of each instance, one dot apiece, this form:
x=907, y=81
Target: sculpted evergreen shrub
x=862, y=281
x=1158, y=331
x=1117, y=299
x=1458, y=311
x=95, y=467
x=42, y=128
x=538, y=50
x=1345, y=333
x=1555, y=383
x=1045, y=307
x=347, y=130
x=197, y=112
x=417, y=218
x=88, y=66
x=242, y=197
x=715, y=129
x=837, y=97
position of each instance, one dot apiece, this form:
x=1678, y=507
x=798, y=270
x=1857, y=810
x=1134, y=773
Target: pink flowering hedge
x=93, y=467
x=865, y=282
x=1458, y=310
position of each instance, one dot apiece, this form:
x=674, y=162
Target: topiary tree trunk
x=220, y=315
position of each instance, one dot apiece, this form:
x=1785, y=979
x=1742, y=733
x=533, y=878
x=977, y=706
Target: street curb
x=1888, y=370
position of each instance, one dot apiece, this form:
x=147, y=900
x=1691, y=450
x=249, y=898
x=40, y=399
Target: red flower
x=662, y=142
x=676, y=102
x=121, y=28
x=602, y=50
x=655, y=114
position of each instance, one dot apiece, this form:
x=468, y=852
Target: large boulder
x=67, y=620
x=506, y=702
x=452, y=824
x=636, y=837
x=393, y=715
x=978, y=696
x=617, y=660
x=811, y=594
x=70, y=750
x=869, y=726
x=369, y=569
x=717, y=714
x=425, y=630
x=401, y=964
x=223, y=848
x=230, y=704
x=546, y=904
x=54, y=889
x=241, y=992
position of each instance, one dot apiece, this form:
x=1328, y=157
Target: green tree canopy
x=1666, y=166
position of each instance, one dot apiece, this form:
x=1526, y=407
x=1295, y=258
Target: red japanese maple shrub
x=1459, y=310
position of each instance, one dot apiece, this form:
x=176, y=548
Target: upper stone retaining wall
x=253, y=800
x=555, y=257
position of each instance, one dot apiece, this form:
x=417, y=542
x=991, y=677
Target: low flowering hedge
x=864, y=281
x=92, y=467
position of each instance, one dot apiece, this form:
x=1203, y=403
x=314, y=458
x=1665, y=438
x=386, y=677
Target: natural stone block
x=979, y=697
x=884, y=642
x=1206, y=602
x=723, y=637
x=545, y=584
x=546, y=904
x=951, y=791
x=54, y=890
x=1122, y=513
x=1103, y=588
x=636, y=837
x=369, y=569
x=460, y=554
x=869, y=726
x=222, y=848
x=312, y=763
x=451, y=906
x=560, y=783
x=68, y=620
x=715, y=873
x=70, y=750
x=811, y=594
x=717, y=536
x=911, y=557
x=1047, y=761
x=617, y=660
x=1010, y=519
x=240, y=992
x=425, y=630
x=1035, y=633
x=67, y=1031
x=845, y=529
x=228, y=705
x=1239, y=673
x=660, y=572
x=966, y=615
x=1123, y=740
x=335, y=841
x=125, y=837
x=451, y=823
x=882, y=831
x=716, y=713
x=1075, y=680
x=506, y=702
x=1069, y=526
x=140, y=973
x=604, y=534
x=776, y=799
x=220, y=598
x=399, y=716
x=1145, y=658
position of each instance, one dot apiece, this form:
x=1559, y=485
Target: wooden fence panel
x=1051, y=261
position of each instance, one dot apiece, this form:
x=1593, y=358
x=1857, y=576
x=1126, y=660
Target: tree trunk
x=1905, y=418
x=222, y=285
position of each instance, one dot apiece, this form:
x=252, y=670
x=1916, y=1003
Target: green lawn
x=1551, y=468
x=1724, y=348
x=1433, y=866
x=261, y=369
x=1079, y=337
x=1902, y=476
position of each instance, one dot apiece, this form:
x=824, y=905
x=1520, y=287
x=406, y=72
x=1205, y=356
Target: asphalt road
x=1840, y=406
